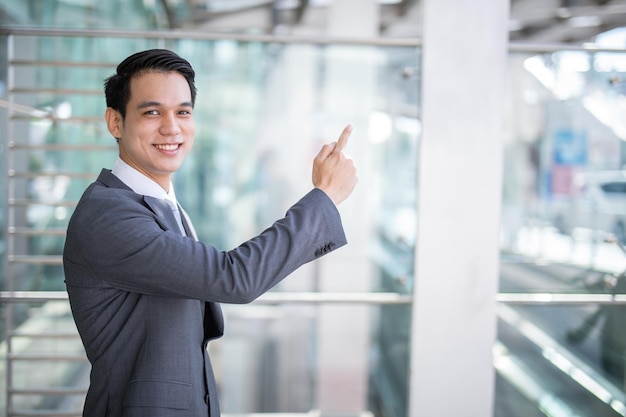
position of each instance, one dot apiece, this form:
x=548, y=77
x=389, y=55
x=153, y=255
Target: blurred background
x=277, y=79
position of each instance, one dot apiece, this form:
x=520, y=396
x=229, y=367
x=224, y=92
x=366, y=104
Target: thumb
x=326, y=150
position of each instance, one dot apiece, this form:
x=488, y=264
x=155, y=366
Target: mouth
x=168, y=147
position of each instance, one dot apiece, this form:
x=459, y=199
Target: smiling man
x=159, y=119
x=144, y=291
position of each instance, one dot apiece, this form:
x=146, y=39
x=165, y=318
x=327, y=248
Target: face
x=159, y=127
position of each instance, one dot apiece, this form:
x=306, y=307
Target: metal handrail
x=32, y=296
x=49, y=357
x=72, y=64
x=36, y=259
x=29, y=231
x=267, y=298
x=61, y=91
x=560, y=299
x=377, y=298
x=35, y=174
x=210, y=36
x=46, y=413
x=25, y=202
x=60, y=147
x=49, y=391
x=559, y=47
x=286, y=39
x=45, y=335
x=71, y=119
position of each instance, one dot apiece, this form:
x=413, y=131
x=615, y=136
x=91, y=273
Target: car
x=597, y=202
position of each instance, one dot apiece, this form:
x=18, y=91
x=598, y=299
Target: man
x=143, y=290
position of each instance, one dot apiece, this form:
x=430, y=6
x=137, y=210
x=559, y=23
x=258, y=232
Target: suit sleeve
x=120, y=243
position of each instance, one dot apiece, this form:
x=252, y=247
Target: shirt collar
x=139, y=183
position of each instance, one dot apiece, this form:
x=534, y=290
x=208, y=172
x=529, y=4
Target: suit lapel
x=163, y=212
x=161, y=208
x=189, y=229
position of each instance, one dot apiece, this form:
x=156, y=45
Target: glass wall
x=263, y=111
x=93, y=14
x=564, y=212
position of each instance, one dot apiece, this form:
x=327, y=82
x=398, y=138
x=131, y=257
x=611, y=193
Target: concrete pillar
x=459, y=196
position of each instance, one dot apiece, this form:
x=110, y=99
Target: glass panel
x=124, y=14
x=284, y=113
x=263, y=111
x=564, y=211
x=48, y=359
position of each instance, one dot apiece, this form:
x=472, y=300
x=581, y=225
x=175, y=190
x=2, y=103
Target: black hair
x=117, y=86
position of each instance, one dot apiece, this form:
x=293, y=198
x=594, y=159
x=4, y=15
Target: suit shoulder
x=108, y=186
x=99, y=198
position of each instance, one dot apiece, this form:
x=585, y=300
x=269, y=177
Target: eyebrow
x=146, y=104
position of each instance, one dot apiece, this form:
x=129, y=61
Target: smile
x=168, y=147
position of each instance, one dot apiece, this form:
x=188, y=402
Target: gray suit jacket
x=144, y=297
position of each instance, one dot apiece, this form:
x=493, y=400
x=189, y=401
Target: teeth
x=168, y=147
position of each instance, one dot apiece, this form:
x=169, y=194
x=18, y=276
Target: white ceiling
x=545, y=21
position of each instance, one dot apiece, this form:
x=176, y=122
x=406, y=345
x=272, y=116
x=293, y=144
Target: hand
x=333, y=172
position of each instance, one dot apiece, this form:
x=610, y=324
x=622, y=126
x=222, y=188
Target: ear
x=114, y=122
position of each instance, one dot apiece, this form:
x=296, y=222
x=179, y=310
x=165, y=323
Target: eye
x=185, y=112
x=151, y=112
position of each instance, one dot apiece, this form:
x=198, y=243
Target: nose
x=169, y=125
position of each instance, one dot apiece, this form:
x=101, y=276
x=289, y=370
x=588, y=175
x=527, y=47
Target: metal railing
x=369, y=298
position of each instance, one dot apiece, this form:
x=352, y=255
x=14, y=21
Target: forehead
x=159, y=86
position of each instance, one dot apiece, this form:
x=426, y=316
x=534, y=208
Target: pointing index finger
x=343, y=138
